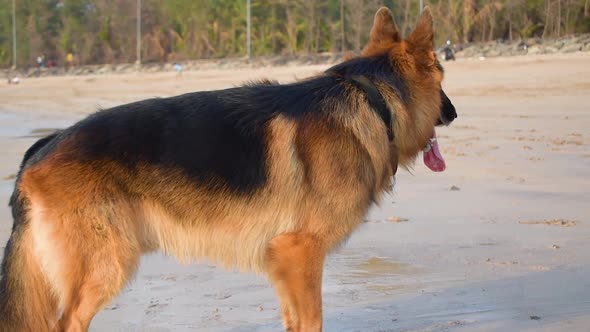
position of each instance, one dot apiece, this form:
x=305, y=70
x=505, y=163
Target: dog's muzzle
x=447, y=110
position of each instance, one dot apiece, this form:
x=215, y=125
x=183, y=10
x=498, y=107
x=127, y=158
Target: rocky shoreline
x=531, y=46
x=202, y=64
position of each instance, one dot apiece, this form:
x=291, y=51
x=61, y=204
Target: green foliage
x=104, y=35
x=99, y=31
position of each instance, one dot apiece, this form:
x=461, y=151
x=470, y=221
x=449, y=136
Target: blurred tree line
x=104, y=31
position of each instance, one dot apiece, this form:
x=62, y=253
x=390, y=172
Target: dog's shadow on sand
x=520, y=303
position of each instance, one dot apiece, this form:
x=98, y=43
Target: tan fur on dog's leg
x=289, y=320
x=106, y=274
x=294, y=263
x=89, y=300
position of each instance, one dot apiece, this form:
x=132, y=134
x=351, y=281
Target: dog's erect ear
x=422, y=39
x=384, y=30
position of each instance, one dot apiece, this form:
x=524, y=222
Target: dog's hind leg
x=86, y=238
x=99, y=257
x=294, y=264
x=102, y=282
x=86, y=302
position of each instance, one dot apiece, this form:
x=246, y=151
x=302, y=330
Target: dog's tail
x=26, y=300
x=31, y=151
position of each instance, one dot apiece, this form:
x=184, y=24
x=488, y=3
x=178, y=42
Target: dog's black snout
x=447, y=110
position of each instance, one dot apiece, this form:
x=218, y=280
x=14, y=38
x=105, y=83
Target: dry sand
x=499, y=242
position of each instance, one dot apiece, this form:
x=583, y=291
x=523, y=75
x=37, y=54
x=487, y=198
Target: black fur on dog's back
x=216, y=138
x=33, y=149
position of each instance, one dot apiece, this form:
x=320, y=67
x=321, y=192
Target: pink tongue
x=433, y=158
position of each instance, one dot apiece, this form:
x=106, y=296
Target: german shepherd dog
x=263, y=177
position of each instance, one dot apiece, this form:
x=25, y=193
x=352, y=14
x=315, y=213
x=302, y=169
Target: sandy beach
x=498, y=242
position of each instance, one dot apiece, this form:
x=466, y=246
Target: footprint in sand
x=219, y=296
x=536, y=159
x=154, y=307
x=516, y=179
x=559, y=141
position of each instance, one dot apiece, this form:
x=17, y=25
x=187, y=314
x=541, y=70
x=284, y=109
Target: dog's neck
x=363, y=73
x=378, y=104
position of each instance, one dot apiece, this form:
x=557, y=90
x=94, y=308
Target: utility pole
x=342, y=36
x=558, y=18
x=510, y=20
x=138, y=61
x=249, y=29
x=13, y=35
x=421, y=6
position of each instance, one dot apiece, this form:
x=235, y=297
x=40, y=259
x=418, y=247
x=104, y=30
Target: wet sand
x=498, y=242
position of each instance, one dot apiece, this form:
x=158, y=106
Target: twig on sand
x=397, y=219
x=552, y=222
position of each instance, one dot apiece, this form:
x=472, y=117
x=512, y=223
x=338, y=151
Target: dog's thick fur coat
x=263, y=177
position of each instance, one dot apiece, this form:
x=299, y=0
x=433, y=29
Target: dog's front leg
x=294, y=264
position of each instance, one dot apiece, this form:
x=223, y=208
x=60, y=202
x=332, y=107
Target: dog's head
x=426, y=105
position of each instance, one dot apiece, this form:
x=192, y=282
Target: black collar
x=376, y=100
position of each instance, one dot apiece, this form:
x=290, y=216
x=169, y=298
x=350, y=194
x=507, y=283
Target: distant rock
x=572, y=48
x=551, y=50
x=536, y=50
x=493, y=53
